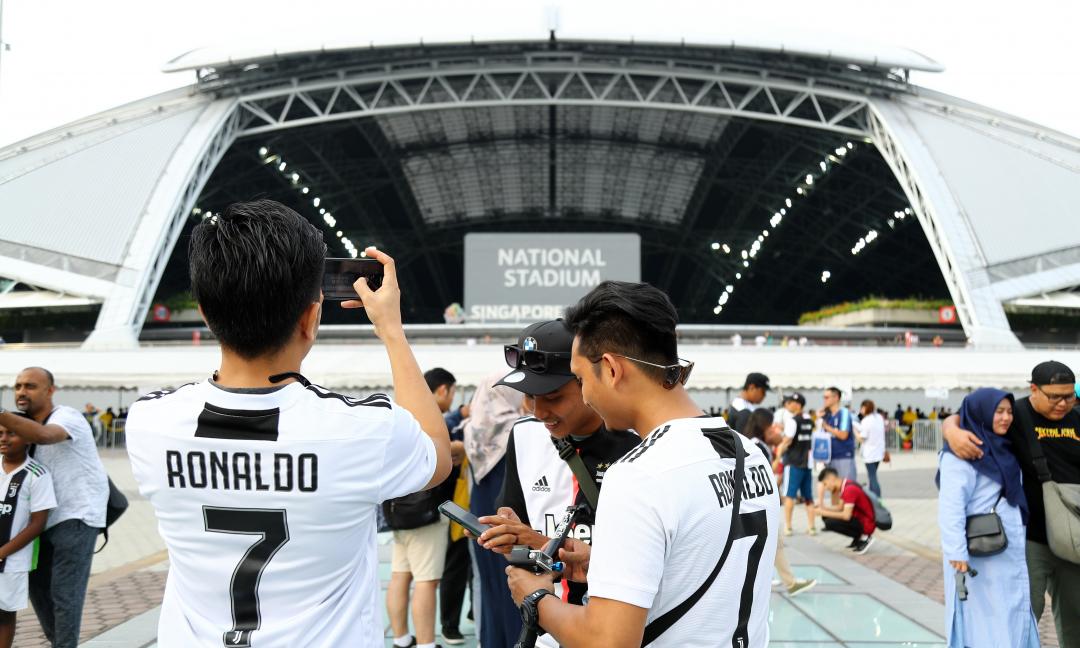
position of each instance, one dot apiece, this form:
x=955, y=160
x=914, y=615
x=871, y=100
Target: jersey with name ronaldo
x=266, y=500
x=664, y=517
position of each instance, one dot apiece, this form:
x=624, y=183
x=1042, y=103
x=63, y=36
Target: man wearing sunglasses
x=683, y=546
x=539, y=484
x=1046, y=417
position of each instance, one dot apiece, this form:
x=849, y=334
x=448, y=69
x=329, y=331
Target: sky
x=72, y=58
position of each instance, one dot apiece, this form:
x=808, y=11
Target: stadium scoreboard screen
x=530, y=277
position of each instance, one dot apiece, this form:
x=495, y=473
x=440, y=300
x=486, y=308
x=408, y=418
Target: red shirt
x=852, y=493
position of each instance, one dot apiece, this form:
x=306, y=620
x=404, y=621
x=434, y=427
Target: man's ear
x=612, y=370
x=309, y=320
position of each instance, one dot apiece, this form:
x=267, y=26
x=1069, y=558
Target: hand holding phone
x=339, y=276
x=383, y=305
x=463, y=517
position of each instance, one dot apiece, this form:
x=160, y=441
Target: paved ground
x=898, y=584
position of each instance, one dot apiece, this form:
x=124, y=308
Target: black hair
x=438, y=377
x=630, y=319
x=254, y=269
x=836, y=391
x=759, y=421
x=48, y=374
x=826, y=472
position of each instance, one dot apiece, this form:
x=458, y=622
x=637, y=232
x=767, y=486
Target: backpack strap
x=720, y=441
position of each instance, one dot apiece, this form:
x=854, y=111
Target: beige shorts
x=421, y=552
x=14, y=591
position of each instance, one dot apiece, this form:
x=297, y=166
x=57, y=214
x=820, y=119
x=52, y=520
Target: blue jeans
x=871, y=470
x=58, y=585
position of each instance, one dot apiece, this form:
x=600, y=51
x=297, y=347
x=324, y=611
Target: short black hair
x=630, y=319
x=438, y=377
x=826, y=472
x=254, y=269
x=835, y=390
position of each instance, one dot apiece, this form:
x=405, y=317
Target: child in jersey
x=26, y=490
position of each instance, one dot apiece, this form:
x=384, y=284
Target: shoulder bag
x=986, y=533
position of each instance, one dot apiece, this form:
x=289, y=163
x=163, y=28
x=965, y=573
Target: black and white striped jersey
x=664, y=517
x=266, y=500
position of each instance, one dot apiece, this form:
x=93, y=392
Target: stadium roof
x=410, y=145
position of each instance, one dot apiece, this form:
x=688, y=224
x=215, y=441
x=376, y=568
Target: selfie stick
x=539, y=562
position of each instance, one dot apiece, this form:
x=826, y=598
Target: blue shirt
x=842, y=420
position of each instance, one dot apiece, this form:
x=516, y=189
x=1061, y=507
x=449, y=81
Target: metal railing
x=924, y=435
x=111, y=436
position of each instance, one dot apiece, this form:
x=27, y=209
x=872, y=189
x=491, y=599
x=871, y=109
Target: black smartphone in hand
x=339, y=275
x=463, y=517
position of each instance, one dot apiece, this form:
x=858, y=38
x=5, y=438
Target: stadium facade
x=766, y=173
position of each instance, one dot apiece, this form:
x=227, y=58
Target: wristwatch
x=530, y=607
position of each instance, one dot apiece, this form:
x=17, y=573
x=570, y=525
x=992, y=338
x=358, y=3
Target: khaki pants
x=1061, y=579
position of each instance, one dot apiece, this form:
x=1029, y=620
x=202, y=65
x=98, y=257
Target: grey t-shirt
x=79, y=478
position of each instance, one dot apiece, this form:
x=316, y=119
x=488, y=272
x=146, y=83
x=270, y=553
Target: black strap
x=1027, y=430
x=569, y=454
x=661, y=624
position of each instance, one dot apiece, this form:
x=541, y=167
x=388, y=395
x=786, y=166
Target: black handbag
x=986, y=533
x=412, y=511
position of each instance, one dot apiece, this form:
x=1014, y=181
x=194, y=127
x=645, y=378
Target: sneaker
x=787, y=531
x=863, y=546
x=775, y=582
x=411, y=644
x=812, y=531
x=452, y=637
x=800, y=586
x=854, y=543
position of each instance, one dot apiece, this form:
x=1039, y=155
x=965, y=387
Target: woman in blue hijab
x=997, y=611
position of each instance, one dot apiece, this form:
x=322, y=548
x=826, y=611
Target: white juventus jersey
x=663, y=520
x=266, y=500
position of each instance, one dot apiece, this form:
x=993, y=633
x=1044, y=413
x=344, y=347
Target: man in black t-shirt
x=795, y=450
x=539, y=484
x=1045, y=417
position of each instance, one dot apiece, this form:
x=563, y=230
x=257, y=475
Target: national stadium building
x=763, y=181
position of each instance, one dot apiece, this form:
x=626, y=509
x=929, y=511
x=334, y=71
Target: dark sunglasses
x=537, y=361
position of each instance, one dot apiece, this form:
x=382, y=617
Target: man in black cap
x=749, y=399
x=539, y=484
x=1047, y=418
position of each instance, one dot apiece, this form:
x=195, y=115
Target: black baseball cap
x=1052, y=372
x=797, y=397
x=757, y=380
x=546, y=337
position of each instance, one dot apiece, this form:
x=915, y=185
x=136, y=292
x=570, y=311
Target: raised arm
x=31, y=431
x=383, y=307
x=962, y=442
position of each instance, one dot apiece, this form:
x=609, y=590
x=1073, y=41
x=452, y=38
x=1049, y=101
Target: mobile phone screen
x=463, y=517
x=339, y=275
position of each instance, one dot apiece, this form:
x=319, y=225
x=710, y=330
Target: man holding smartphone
x=683, y=546
x=264, y=485
x=539, y=483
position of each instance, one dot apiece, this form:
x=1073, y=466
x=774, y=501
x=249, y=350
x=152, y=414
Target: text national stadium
x=549, y=339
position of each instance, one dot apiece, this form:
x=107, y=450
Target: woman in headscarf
x=492, y=414
x=997, y=611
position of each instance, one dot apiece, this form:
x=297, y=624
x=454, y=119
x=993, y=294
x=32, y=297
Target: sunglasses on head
x=674, y=374
x=537, y=361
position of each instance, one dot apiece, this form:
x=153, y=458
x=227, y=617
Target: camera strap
x=569, y=454
x=721, y=443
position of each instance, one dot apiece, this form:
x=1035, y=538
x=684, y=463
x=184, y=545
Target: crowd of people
x=269, y=489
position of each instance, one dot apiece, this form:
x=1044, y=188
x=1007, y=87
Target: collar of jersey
x=280, y=396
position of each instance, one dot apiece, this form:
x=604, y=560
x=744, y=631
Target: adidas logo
x=541, y=485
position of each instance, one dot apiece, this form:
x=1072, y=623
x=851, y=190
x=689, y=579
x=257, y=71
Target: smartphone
x=339, y=275
x=463, y=517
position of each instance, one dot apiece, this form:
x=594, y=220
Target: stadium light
x=727, y=250
x=716, y=246
x=316, y=201
x=787, y=201
x=281, y=167
x=263, y=151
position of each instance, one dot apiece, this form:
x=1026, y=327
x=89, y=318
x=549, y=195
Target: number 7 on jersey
x=273, y=528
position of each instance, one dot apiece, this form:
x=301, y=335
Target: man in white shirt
x=65, y=445
x=683, y=547
x=870, y=429
x=265, y=486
